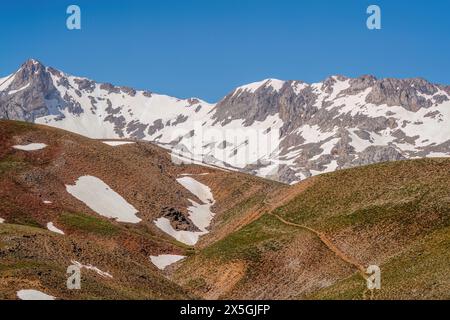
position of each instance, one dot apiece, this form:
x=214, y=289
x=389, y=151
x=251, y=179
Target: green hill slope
x=394, y=215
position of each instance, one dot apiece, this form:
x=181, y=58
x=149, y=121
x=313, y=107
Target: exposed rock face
x=283, y=130
x=374, y=154
x=394, y=92
x=341, y=122
x=31, y=94
x=178, y=220
x=249, y=106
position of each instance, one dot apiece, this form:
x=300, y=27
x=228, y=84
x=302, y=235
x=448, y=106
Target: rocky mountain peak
x=30, y=71
x=32, y=64
x=29, y=93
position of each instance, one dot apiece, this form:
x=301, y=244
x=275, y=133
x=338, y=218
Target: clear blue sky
x=205, y=48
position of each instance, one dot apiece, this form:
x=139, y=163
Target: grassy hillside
x=395, y=215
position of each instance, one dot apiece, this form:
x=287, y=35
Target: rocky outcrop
x=405, y=93
x=31, y=94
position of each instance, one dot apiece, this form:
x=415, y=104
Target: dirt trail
x=329, y=244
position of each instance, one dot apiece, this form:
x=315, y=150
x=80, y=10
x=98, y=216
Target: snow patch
x=98, y=196
x=30, y=147
x=332, y=166
x=338, y=87
x=117, y=143
x=164, y=260
x=20, y=89
x=298, y=87
x=187, y=237
x=51, y=227
x=199, y=213
x=437, y=155
x=313, y=134
x=275, y=84
x=6, y=81
x=200, y=190
x=31, y=294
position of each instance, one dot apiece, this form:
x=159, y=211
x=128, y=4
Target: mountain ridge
x=282, y=130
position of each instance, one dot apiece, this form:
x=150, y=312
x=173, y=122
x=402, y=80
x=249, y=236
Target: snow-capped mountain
x=284, y=130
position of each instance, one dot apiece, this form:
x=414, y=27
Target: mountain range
x=286, y=131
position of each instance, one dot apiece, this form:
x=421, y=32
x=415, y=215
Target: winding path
x=330, y=245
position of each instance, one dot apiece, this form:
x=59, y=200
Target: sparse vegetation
x=405, y=205
x=11, y=127
x=88, y=223
x=363, y=195
x=421, y=272
x=249, y=242
x=9, y=164
x=19, y=215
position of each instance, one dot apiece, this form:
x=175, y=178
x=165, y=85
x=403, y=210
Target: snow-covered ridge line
x=6, y=81
x=282, y=130
x=275, y=84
